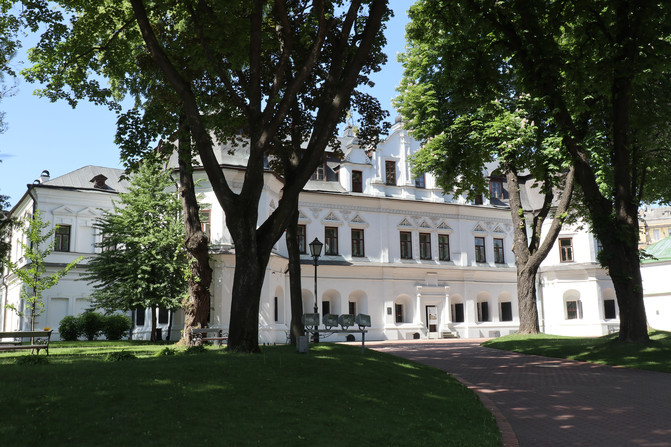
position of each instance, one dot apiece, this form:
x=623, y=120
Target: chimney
x=99, y=182
x=44, y=176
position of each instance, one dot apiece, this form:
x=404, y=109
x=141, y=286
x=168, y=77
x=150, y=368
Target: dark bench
x=39, y=340
x=199, y=335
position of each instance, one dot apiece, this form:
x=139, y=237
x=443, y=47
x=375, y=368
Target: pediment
x=63, y=210
x=444, y=226
x=89, y=212
x=424, y=224
x=406, y=223
x=479, y=228
x=331, y=217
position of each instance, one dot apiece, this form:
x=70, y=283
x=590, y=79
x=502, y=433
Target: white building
x=419, y=262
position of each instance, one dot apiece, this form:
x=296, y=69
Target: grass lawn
x=332, y=396
x=605, y=350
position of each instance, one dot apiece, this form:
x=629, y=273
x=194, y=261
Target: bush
x=165, y=351
x=119, y=356
x=31, y=360
x=198, y=349
x=92, y=324
x=70, y=328
x=115, y=326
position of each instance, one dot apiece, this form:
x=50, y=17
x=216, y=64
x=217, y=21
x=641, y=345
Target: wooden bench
x=199, y=335
x=40, y=340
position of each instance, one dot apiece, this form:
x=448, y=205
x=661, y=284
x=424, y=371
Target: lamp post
x=315, y=252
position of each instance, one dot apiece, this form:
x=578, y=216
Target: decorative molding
x=479, y=229
x=331, y=217
x=498, y=229
x=444, y=226
x=406, y=223
x=316, y=212
x=424, y=224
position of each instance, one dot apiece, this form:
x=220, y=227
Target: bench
x=40, y=340
x=199, y=335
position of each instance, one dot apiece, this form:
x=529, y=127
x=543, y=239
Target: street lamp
x=315, y=252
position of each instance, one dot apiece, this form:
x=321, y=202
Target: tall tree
x=601, y=70
x=142, y=263
x=458, y=148
x=32, y=275
x=237, y=68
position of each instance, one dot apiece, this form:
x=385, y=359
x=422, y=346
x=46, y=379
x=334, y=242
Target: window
x=506, y=311
x=420, y=182
x=319, y=173
x=357, y=181
x=479, y=200
x=496, y=189
x=483, y=311
x=205, y=216
x=62, y=235
x=655, y=234
x=331, y=236
x=163, y=316
x=139, y=316
x=390, y=172
x=276, y=309
x=406, y=245
x=566, y=249
x=609, y=309
x=498, y=251
x=424, y=246
x=443, y=247
x=300, y=234
x=352, y=307
x=399, y=313
x=573, y=310
x=480, y=250
x=357, y=243
x=326, y=307
x=458, y=313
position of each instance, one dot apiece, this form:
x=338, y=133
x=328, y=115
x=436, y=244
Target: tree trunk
x=526, y=297
x=243, y=332
x=152, y=336
x=295, y=289
x=197, y=304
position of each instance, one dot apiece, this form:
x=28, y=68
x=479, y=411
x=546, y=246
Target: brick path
x=553, y=402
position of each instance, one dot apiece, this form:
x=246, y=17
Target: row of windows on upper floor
x=324, y=172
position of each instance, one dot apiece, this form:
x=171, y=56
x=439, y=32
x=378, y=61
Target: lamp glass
x=316, y=248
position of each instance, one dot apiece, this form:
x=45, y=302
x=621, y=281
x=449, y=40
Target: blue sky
x=53, y=136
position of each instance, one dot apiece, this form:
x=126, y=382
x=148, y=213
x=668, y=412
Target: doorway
x=432, y=318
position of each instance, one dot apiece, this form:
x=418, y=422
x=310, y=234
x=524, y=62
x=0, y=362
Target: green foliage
x=32, y=275
x=115, y=326
x=70, y=328
x=196, y=349
x=165, y=351
x=143, y=261
x=91, y=324
x=120, y=356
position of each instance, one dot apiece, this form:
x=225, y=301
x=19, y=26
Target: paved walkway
x=553, y=402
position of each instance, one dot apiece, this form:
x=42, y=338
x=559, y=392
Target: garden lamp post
x=315, y=252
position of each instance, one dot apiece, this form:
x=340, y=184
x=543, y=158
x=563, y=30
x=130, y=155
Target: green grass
x=332, y=396
x=606, y=350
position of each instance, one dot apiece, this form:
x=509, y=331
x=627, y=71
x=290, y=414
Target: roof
x=660, y=251
x=82, y=178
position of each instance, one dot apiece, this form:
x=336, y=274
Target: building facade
x=421, y=263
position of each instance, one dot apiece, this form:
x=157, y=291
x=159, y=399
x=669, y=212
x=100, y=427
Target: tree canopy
x=600, y=71
x=258, y=71
x=142, y=263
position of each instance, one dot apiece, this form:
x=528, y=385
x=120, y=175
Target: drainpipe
x=539, y=297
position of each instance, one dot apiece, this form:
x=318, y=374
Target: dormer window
x=390, y=172
x=99, y=182
x=357, y=181
x=496, y=188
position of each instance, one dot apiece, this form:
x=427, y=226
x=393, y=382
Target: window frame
x=483, y=311
x=573, y=313
x=499, y=254
x=331, y=242
x=443, y=247
x=480, y=250
x=506, y=315
x=398, y=313
x=301, y=236
x=390, y=172
x=357, y=186
x=358, y=244
x=565, y=252
x=406, y=245
x=425, y=246
x=496, y=192
x=62, y=239
x=206, y=224
x=420, y=181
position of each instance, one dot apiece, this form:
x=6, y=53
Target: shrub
x=115, y=326
x=119, y=356
x=92, y=324
x=166, y=351
x=70, y=328
x=198, y=349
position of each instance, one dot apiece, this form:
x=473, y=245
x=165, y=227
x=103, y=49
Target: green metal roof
x=661, y=251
